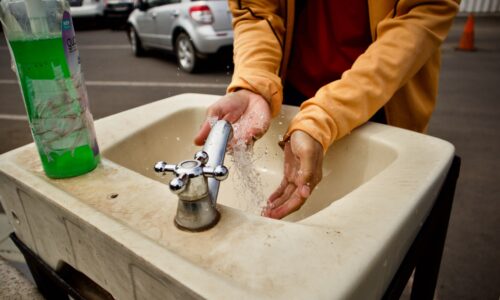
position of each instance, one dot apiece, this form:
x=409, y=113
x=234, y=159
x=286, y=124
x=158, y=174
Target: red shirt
x=329, y=36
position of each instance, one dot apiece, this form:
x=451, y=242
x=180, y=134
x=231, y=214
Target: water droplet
x=280, y=123
x=178, y=138
x=280, y=138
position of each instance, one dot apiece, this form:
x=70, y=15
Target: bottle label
x=69, y=42
x=73, y=60
x=62, y=120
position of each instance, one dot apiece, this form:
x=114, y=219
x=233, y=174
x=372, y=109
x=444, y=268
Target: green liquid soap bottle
x=41, y=39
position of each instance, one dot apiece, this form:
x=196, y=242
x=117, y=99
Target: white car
x=110, y=9
x=192, y=29
x=87, y=8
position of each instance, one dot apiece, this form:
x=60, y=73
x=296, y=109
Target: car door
x=166, y=17
x=145, y=23
x=222, y=15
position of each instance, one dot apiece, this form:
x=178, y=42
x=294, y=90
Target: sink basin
x=352, y=162
x=115, y=224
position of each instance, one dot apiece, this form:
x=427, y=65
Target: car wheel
x=186, y=53
x=135, y=42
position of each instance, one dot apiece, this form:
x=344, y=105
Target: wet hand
x=302, y=172
x=249, y=113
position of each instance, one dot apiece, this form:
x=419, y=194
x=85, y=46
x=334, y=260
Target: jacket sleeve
x=258, y=37
x=404, y=43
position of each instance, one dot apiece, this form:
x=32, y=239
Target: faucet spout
x=215, y=147
x=197, y=181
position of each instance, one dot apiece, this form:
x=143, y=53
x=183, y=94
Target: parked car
x=106, y=9
x=118, y=9
x=87, y=8
x=193, y=30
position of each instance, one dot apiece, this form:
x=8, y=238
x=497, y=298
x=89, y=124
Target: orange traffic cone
x=467, y=40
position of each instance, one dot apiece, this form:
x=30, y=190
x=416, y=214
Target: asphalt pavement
x=467, y=115
x=116, y=80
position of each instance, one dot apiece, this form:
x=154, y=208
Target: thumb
x=305, y=177
x=305, y=174
x=303, y=147
x=202, y=135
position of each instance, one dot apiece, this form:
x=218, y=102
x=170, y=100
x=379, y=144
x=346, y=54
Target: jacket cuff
x=269, y=88
x=316, y=122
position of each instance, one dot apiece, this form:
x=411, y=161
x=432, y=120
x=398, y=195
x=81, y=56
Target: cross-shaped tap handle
x=188, y=170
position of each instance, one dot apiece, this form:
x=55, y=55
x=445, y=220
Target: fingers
x=214, y=112
x=302, y=172
x=248, y=112
x=288, y=207
x=202, y=135
x=251, y=126
x=279, y=191
x=254, y=133
x=283, y=197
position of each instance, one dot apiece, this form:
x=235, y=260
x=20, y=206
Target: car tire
x=136, y=43
x=187, y=57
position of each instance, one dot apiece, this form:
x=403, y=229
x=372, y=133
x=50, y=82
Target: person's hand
x=249, y=114
x=303, y=171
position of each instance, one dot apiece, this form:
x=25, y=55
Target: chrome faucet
x=197, y=181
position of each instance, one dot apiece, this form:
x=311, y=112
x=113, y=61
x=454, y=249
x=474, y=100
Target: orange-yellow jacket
x=399, y=71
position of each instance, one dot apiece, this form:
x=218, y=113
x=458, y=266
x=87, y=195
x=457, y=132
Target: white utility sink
x=115, y=224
